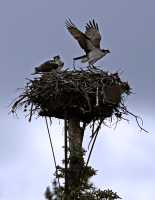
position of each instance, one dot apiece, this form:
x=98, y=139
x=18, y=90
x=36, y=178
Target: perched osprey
x=48, y=66
x=88, y=41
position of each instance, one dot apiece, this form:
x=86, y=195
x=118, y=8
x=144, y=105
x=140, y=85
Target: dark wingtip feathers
x=92, y=24
x=69, y=23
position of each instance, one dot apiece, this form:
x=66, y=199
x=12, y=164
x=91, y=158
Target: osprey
x=88, y=41
x=50, y=65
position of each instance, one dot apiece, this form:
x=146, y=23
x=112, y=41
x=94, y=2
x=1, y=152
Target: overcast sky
x=31, y=32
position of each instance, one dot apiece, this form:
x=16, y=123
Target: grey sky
x=31, y=32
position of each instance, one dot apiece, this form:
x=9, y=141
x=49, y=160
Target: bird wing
x=82, y=39
x=92, y=32
x=47, y=66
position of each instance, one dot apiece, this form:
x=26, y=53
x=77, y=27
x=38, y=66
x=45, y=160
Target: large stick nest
x=85, y=95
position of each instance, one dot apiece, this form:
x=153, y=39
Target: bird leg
x=74, y=66
x=90, y=67
x=93, y=67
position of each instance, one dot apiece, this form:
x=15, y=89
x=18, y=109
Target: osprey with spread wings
x=88, y=41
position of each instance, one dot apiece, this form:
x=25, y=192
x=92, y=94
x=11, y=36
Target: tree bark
x=75, y=134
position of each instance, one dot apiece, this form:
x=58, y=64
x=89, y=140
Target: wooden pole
x=66, y=159
x=75, y=134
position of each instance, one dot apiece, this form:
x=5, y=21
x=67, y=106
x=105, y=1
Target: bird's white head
x=106, y=51
x=56, y=57
x=58, y=60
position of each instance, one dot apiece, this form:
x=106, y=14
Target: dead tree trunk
x=75, y=135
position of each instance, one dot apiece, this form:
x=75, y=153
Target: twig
x=31, y=110
x=136, y=117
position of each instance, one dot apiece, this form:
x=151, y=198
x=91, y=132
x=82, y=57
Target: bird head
x=106, y=51
x=56, y=57
x=58, y=60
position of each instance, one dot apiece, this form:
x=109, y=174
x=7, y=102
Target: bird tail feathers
x=83, y=58
x=80, y=57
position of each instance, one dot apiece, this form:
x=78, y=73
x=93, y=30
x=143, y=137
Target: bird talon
x=90, y=68
x=94, y=67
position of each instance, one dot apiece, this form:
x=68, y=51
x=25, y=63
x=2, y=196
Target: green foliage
x=86, y=190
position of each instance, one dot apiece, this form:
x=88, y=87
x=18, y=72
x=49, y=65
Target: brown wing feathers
x=77, y=34
x=92, y=32
x=88, y=40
